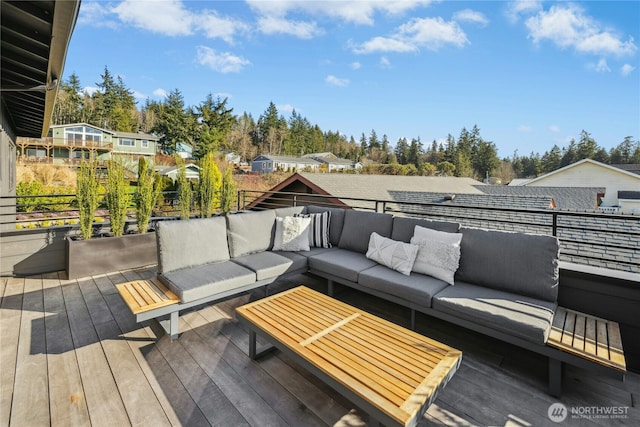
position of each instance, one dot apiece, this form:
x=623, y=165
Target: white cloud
x=278, y=25
x=90, y=90
x=567, y=26
x=384, y=44
x=285, y=108
x=223, y=62
x=139, y=95
x=356, y=65
x=384, y=61
x=359, y=12
x=160, y=93
x=524, y=128
x=626, y=69
x=95, y=14
x=428, y=33
x=522, y=7
x=223, y=95
x=172, y=18
x=468, y=15
x=169, y=17
x=600, y=67
x=554, y=128
x=335, y=81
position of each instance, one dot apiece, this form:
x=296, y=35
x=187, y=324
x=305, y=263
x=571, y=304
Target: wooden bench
x=588, y=337
x=145, y=297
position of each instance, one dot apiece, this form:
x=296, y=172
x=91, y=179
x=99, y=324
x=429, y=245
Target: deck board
x=76, y=340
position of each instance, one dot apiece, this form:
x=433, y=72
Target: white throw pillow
x=439, y=253
x=292, y=234
x=391, y=253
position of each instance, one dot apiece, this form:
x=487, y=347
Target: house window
x=78, y=135
x=145, y=143
x=125, y=142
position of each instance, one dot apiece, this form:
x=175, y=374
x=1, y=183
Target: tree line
x=212, y=126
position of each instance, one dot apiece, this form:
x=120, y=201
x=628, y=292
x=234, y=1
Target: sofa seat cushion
x=524, y=317
x=312, y=252
x=415, y=288
x=298, y=259
x=266, y=264
x=340, y=263
x=201, y=281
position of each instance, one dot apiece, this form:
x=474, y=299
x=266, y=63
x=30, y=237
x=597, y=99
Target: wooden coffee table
x=390, y=372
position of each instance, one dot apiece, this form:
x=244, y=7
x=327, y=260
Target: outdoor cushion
x=202, y=281
x=188, y=243
x=359, y=225
x=398, y=256
x=292, y=233
x=403, y=227
x=340, y=263
x=250, y=232
x=290, y=211
x=415, y=288
x=299, y=261
x=313, y=252
x=336, y=221
x=439, y=253
x=520, y=316
x=266, y=264
x=526, y=264
x=318, y=229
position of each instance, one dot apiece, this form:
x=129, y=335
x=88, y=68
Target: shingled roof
x=569, y=198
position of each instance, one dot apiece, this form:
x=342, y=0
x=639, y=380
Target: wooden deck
x=71, y=354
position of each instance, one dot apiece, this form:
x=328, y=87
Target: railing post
x=295, y=200
x=554, y=224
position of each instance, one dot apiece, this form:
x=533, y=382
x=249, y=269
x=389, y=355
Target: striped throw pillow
x=319, y=229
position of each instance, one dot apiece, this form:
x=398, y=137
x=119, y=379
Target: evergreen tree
x=551, y=159
x=175, y=124
x=587, y=146
x=215, y=122
x=402, y=151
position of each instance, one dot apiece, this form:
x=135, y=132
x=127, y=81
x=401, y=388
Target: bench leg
x=170, y=326
x=555, y=377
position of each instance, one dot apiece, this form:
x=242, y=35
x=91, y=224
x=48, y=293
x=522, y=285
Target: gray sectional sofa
x=506, y=285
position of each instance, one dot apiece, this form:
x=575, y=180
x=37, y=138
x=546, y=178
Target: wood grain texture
x=587, y=336
x=396, y=370
x=146, y=294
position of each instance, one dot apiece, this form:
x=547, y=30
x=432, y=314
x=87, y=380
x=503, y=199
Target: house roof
x=633, y=167
x=581, y=162
x=288, y=159
x=35, y=39
x=570, y=198
x=133, y=135
x=481, y=200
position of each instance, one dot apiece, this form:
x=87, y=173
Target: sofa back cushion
x=336, y=221
x=403, y=227
x=290, y=211
x=525, y=264
x=189, y=243
x=251, y=232
x=359, y=225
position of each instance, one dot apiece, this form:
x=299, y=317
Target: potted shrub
x=102, y=254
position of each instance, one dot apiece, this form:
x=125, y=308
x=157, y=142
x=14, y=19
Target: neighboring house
x=193, y=172
x=342, y=187
x=630, y=167
x=331, y=163
x=232, y=158
x=35, y=39
x=590, y=173
x=70, y=143
x=267, y=163
x=183, y=150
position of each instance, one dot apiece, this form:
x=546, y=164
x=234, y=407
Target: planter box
x=101, y=255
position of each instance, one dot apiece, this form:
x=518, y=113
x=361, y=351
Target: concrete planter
x=101, y=255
